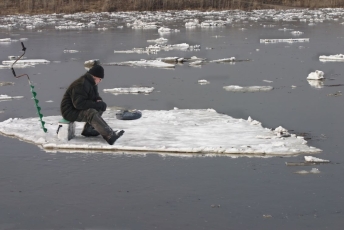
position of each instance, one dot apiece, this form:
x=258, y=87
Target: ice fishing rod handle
x=24, y=48
x=14, y=73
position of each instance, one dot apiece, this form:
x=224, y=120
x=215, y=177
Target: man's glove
x=101, y=105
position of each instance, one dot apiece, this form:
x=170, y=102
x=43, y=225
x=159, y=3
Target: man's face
x=97, y=80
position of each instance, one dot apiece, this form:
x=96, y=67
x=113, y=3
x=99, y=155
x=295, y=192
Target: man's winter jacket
x=82, y=94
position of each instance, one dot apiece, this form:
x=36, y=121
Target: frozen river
x=78, y=190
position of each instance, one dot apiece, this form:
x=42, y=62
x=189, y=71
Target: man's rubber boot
x=102, y=127
x=116, y=134
x=89, y=131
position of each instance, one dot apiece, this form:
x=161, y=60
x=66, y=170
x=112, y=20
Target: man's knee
x=87, y=115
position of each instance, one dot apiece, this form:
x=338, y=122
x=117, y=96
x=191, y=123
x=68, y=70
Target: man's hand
x=101, y=105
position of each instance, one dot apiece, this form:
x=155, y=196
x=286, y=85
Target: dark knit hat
x=97, y=71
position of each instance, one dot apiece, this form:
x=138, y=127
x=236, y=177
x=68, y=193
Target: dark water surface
x=43, y=190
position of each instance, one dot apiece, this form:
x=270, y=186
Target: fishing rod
x=34, y=94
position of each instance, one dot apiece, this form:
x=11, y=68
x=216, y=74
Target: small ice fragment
x=317, y=75
x=315, y=159
x=314, y=170
x=268, y=81
x=203, y=82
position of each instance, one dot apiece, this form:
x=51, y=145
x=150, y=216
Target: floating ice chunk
x=6, y=97
x=133, y=90
x=236, y=88
x=203, y=82
x=70, y=51
x=196, y=63
x=297, y=32
x=15, y=57
x=6, y=83
x=336, y=57
x=90, y=63
x=164, y=30
x=143, y=63
x=192, y=24
x=179, y=131
x=315, y=159
x=289, y=40
x=159, y=40
x=231, y=59
x=211, y=23
x=267, y=81
x=16, y=66
x=5, y=40
x=317, y=75
x=27, y=61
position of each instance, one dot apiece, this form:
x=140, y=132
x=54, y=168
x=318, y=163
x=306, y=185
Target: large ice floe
x=26, y=61
x=168, y=131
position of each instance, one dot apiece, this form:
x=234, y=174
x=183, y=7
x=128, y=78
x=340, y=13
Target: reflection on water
x=316, y=83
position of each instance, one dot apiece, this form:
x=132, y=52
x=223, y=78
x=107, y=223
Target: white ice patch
x=143, y=63
x=231, y=59
x=237, y=88
x=16, y=66
x=6, y=97
x=203, y=82
x=289, y=40
x=5, y=40
x=133, y=90
x=178, y=130
x=159, y=40
x=336, y=57
x=317, y=75
x=70, y=51
x=26, y=61
x=4, y=83
x=315, y=159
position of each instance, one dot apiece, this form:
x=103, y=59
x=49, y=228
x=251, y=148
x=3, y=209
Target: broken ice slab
x=237, y=88
x=70, y=51
x=336, y=57
x=15, y=57
x=142, y=63
x=6, y=97
x=159, y=40
x=231, y=59
x=16, y=66
x=4, y=83
x=315, y=159
x=5, y=40
x=316, y=75
x=170, y=131
x=203, y=82
x=290, y=40
x=133, y=90
x=26, y=61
